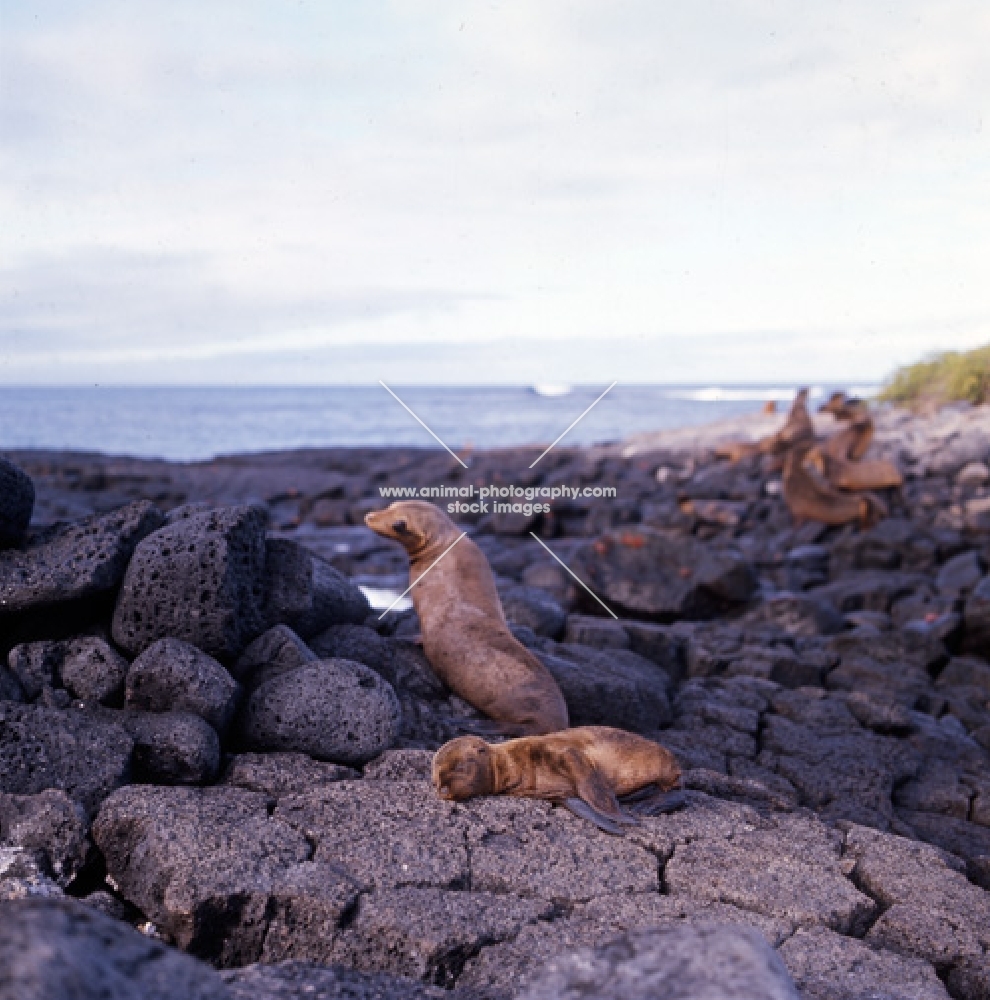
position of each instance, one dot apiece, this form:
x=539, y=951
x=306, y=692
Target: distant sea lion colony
x=827, y=481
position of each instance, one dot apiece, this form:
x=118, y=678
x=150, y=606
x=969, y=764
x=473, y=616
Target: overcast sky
x=566, y=191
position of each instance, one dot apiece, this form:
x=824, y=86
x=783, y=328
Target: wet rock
x=61, y=948
x=174, y=676
x=70, y=562
x=280, y=774
x=334, y=710
x=429, y=933
x=44, y=748
x=201, y=580
x=613, y=687
x=717, y=961
x=868, y=590
x=965, y=671
x=649, y=575
x=16, y=504
x=305, y=592
x=830, y=966
x=295, y=980
x=215, y=871
x=173, y=748
x=50, y=827
x=535, y=608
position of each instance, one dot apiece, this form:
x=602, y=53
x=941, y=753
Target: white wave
x=551, y=389
x=717, y=394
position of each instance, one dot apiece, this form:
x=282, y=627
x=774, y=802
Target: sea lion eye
x=399, y=527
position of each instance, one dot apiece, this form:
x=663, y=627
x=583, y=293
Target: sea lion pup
x=585, y=769
x=465, y=634
x=809, y=497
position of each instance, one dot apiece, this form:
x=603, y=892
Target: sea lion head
x=414, y=524
x=463, y=768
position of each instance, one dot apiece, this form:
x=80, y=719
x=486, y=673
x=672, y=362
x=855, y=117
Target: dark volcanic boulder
x=650, y=575
x=173, y=748
x=335, y=710
x=535, y=608
x=201, y=579
x=273, y=652
x=67, y=562
x=60, y=948
x=41, y=748
x=174, y=676
x=16, y=503
x=92, y=670
x=306, y=593
x=610, y=687
x=88, y=668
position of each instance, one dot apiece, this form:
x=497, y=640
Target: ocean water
x=186, y=424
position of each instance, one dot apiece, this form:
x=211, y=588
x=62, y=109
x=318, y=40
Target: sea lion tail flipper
x=595, y=791
x=583, y=810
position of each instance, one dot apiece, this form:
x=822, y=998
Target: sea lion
x=809, y=497
x=465, y=635
x=844, y=474
x=797, y=429
x=585, y=769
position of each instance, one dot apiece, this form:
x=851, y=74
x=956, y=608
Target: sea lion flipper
x=595, y=791
x=583, y=810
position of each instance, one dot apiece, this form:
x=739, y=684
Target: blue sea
x=186, y=424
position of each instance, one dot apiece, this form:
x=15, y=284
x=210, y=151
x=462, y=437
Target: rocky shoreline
x=213, y=752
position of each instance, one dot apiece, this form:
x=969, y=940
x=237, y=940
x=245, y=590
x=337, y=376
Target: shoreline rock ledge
x=215, y=756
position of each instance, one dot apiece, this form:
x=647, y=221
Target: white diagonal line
x=609, y=389
x=420, y=577
x=413, y=415
x=569, y=570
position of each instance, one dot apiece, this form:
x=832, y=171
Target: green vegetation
x=942, y=379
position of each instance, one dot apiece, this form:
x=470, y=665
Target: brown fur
x=595, y=764
x=845, y=474
x=465, y=634
x=809, y=497
x=797, y=429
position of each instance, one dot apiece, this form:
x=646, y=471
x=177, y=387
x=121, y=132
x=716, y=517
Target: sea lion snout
x=462, y=769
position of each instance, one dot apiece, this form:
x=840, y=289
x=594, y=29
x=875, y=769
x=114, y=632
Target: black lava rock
x=16, y=504
x=201, y=579
x=174, y=676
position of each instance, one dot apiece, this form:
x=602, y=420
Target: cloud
x=244, y=177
